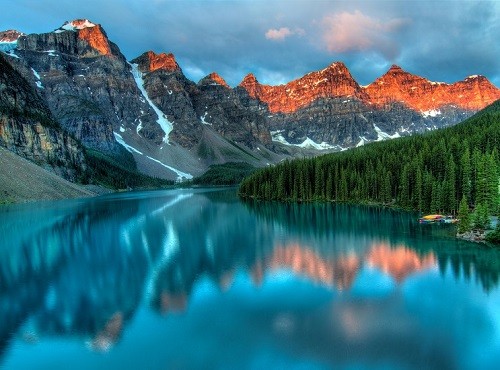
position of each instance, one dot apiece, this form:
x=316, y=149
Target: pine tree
x=464, y=224
x=481, y=217
x=466, y=181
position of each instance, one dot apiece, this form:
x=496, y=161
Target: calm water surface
x=196, y=279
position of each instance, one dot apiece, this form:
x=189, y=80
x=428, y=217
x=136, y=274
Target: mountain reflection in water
x=83, y=269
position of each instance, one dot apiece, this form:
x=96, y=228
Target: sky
x=281, y=40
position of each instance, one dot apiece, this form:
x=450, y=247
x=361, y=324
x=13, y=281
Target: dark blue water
x=187, y=279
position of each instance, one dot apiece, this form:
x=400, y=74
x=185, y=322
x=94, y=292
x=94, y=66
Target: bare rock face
x=210, y=104
x=87, y=83
x=10, y=35
x=332, y=82
x=220, y=107
x=331, y=109
x=149, y=62
x=80, y=79
x=28, y=128
x=170, y=91
x=420, y=94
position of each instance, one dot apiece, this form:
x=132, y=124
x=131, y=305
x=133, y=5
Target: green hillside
x=429, y=172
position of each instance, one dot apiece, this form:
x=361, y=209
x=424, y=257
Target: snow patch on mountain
x=162, y=120
x=77, y=24
x=202, y=118
x=7, y=46
x=308, y=143
x=431, y=113
x=37, y=76
x=278, y=137
x=119, y=139
x=381, y=135
x=180, y=175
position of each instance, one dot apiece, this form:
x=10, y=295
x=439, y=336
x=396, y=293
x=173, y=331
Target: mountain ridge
x=176, y=128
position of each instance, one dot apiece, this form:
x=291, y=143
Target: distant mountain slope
x=174, y=128
x=28, y=128
x=22, y=180
x=430, y=172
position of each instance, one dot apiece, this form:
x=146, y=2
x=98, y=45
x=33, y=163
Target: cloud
x=445, y=42
x=344, y=32
x=278, y=35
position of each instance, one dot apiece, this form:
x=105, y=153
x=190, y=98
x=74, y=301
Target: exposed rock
x=331, y=82
x=477, y=236
x=163, y=119
x=213, y=78
x=149, y=62
x=10, y=35
x=422, y=95
x=29, y=182
x=87, y=84
x=220, y=107
x=28, y=128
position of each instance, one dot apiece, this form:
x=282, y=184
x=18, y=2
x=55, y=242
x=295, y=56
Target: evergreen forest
x=432, y=172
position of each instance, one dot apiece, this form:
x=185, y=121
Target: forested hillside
x=429, y=172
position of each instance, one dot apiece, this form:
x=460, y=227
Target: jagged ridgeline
x=429, y=172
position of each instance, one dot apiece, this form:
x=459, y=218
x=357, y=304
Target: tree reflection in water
x=84, y=271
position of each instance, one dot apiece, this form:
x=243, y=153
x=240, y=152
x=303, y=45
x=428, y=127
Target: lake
x=197, y=279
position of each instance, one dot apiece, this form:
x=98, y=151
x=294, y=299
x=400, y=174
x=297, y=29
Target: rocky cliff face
x=175, y=127
x=192, y=108
x=420, y=94
x=28, y=128
x=329, y=110
x=331, y=82
x=86, y=82
x=219, y=106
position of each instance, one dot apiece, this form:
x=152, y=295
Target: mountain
x=328, y=109
x=148, y=116
x=28, y=128
x=428, y=173
x=420, y=94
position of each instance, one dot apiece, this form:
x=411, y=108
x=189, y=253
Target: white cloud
x=278, y=35
x=283, y=33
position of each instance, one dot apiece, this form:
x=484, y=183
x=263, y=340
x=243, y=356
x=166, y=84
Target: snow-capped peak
x=10, y=36
x=8, y=41
x=77, y=24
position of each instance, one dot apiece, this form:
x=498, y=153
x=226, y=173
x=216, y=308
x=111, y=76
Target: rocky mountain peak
x=251, y=85
x=10, y=35
x=336, y=68
x=421, y=94
x=249, y=79
x=77, y=24
x=395, y=69
x=150, y=61
x=93, y=34
x=331, y=82
x=214, y=78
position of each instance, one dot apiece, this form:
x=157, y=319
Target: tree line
x=430, y=172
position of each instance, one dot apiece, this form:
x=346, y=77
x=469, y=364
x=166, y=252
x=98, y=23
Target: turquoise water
x=196, y=279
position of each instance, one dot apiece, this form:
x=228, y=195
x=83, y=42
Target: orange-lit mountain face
x=110, y=104
x=150, y=62
x=217, y=79
x=333, y=81
x=397, y=85
x=91, y=33
x=339, y=272
x=399, y=262
x=96, y=38
x=473, y=93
